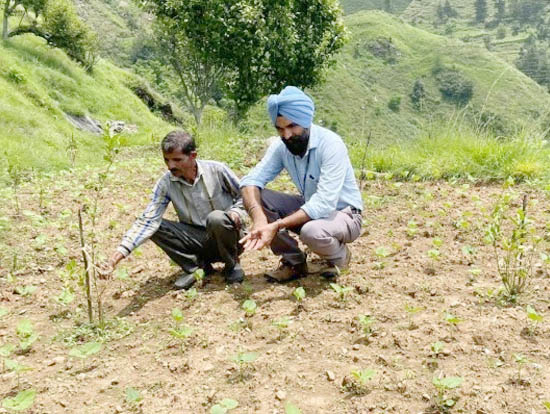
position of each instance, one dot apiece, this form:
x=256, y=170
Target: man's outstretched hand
x=105, y=270
x=260, y=237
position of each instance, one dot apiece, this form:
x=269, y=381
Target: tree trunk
x=5, y=20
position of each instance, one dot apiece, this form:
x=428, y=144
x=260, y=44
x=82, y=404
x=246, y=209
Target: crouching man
x=326, y=214
x=207, y=200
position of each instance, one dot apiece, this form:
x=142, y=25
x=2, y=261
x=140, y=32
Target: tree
x=57, y=22
x=256, y=46
x=500, y=9
x=533, y=61
x=481, y=10
x=418, y=94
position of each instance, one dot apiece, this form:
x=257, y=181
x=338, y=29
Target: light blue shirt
x=324, y=175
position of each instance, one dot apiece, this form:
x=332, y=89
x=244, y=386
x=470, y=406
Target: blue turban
x=293, y=104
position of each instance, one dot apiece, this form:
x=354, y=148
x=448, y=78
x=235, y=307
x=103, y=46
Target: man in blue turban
x=327, y=212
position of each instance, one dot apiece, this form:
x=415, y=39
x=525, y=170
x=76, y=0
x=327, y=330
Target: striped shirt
x=216, y=187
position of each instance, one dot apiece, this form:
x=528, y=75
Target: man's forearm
x=253, y=204
x=294, y=220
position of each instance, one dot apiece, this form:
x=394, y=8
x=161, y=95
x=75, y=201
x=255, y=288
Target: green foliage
x=454, y=86
x=85, y=350
x=224, y=406
x=249, y=306
x=418, y=94
x=26, y=334
x=257, y=46
x=513, y=236
x=342, y=291
x=133, y=396
x=395, y=103
x=481, y=10
x=292, y=409
x=22, y=401
x=299, y=293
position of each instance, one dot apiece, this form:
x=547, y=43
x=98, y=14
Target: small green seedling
x=437, y=347
x=224, y=406
x=437, y=242
x=366, y=321
x=292, y=409
x=6, y=350
x=199, y=276
x=84, y=351
x=359, y=381
x=65, y=297
x=451, y=319
x=342, y=291
x=535, y=319
x=546, y=404
x=434, y=254
x=26, y=335
x=412, y=310
x=13, y=365
x=244, y=361
x=133, y=396
x=412, y=228
x=443, y=385
x=520, y=360
x=179, y=330
x=177, y=315
x=281, y=325
x=299, y=293
x=191, y=294
x=382, y=252
x=27, y=290
x=468, y=250
x=22, y=401
x=249, y=306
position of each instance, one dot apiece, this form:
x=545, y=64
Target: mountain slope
x=41, y=86
x=356, y=96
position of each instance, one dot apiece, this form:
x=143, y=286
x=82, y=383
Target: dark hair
x=178, y=140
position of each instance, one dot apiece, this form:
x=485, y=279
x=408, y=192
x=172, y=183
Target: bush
x=395, y=103
x=501, y=32
x=418, y=94
x=454, y=86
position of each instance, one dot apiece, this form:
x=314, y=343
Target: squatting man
x=207, y=200
x=326, y=214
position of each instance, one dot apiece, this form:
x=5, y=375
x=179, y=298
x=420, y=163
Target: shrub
x=454, y=86
x=395, y=103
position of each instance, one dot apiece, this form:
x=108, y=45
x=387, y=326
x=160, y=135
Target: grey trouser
x=326, y=237
x=192, y=246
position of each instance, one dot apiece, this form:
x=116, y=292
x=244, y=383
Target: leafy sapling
x=179, y=330
x=249, y=306
x=366, y=322
x=359, y=380
x=244, y=362
x=26, y=335
x=520, y=360
x=411, y=311
x=282, y=325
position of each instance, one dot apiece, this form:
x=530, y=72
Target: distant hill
x=384, y=58
x=353, y=6
x=41, y=87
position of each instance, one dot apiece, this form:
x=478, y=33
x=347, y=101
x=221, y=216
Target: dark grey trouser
x=326, y=237
x=193, y=246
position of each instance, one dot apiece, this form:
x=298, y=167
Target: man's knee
x=163, y=230
x=311, y=233
x=216, y=218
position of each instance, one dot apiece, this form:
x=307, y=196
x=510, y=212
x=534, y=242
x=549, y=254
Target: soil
x=408, y=292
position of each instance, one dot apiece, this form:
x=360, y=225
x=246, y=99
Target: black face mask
x=297, y=144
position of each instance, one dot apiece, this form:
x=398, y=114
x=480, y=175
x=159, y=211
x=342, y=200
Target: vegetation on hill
x=390, y=6
x=41, y=85
x=368, y=92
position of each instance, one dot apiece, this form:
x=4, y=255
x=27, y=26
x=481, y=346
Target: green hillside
x=41, y=85
x=353, y=6
x=383, y=59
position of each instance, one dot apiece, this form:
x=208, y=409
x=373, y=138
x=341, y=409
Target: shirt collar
x=200, y=171
x=313, y=139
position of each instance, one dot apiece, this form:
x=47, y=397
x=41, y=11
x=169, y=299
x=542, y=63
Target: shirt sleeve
x=331, y=181
x=230, y=184
x=148, y=223
x=268, y=168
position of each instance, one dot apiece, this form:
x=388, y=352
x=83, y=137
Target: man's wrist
x=280, y=224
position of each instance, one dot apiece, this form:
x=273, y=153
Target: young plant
x=535, y=319
x=443, y=400
x=513, y=237
x=133, y=398
x=292, y=409
x=26, y=335
x=365, y=322
x=520, y=360
x=342, y=291
x=21, y=402
x=244, y=362
x=412, y=228
x=411, y=311
x=224, y=406
x=281, y=325
x=179, y=330
x=82, y=352
x=437, y=347
x=13, y=365
x=199, y=276
x=249, y=306
x=358, y=383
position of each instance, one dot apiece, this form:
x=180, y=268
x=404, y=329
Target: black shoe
x=185, y=280
x=234, y=274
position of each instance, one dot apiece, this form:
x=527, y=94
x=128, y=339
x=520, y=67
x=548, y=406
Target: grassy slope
x=353, y=6
x=357, y=91
x=423, y=14
x=33, y=128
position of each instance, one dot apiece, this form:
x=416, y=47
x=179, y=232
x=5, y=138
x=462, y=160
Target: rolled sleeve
x=269, y=167
x=148, y=223
x=325, y=200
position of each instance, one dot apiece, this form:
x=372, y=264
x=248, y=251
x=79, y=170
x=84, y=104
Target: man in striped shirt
x=207, y=200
